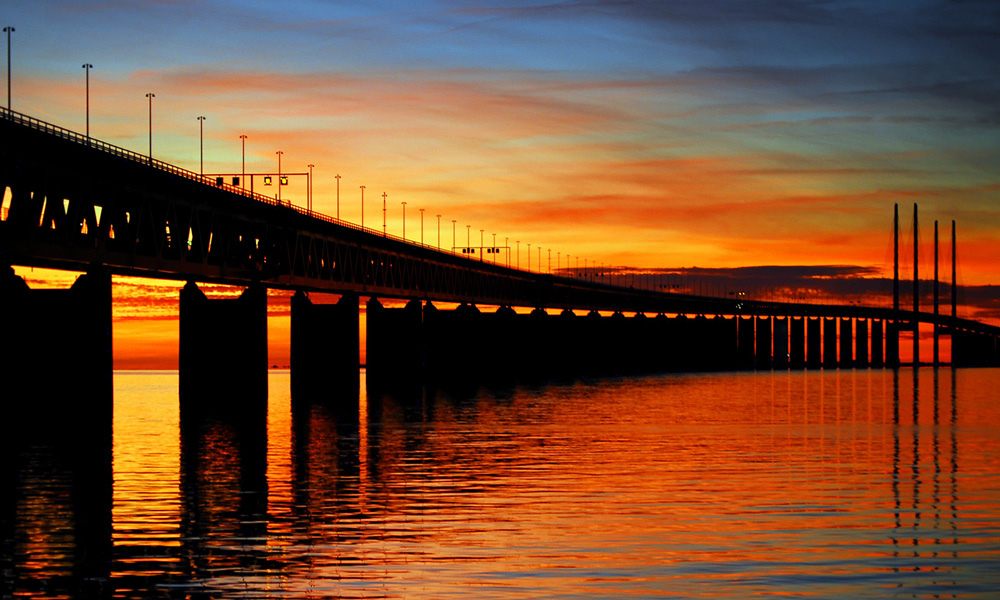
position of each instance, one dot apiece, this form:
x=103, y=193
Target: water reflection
x=830, y=483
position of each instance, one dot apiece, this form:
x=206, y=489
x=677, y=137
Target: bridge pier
x=58, y=341
x=223, y=351
x=878, y=341
x=325, y=348
x=395, y=340
x=745, y=343
x=780, y=349
x=797, y=343
x=814, y=358
x=829, y=343
x=861, y=343
x=846, y=344
x=763, y=343
x=892, y=344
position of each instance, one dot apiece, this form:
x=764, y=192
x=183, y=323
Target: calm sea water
x=824, y=484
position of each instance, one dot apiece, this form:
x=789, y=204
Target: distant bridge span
x=74, y=202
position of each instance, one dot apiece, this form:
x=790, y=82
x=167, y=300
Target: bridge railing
x=146, y=160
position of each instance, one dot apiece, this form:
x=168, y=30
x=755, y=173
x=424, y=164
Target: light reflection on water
x=830, y=484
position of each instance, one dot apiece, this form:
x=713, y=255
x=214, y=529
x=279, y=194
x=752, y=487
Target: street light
x=453, y=236
x=309, y=189
x=421, y=227
x=494, y=248
x=337, y=177
x=8, y=31
x=439, y=232
x=151, y=95
x=529, y=258
x=279, y=153
x=468, y=238
x=518, y=242
x=404, y=219
x=384, y=232
x=201, y=144
x=243, y=141
x=362, y=207
x=88, y=67
x=480, y=245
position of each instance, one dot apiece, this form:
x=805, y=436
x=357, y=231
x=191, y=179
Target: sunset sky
x=645, y=134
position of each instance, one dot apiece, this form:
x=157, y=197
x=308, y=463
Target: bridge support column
x=723, y=349
x=814, y=358
x=846, y=344
x=745, y=342
x=763, y=343
x=223, y=351
x=325, y=348
x=861, y=343
x=892, y=344
x=781, y=353
x=395, y=340
x=56, y=345
x=797, y=343
x=878, y=339
x=829, y=343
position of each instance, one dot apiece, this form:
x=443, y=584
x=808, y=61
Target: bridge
x=74, y=202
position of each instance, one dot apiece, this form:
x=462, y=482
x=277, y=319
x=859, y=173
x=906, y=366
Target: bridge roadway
x=77, y=203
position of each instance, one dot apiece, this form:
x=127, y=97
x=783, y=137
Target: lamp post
x=88, y=67
x=480, y=245
x=518, y=259
x=8, y=31
x=506, y=244
x=362, y=207
x=404, y=219
x=468, y=238
x=453, y=236
x=243, y=161
x=337, y=177
x=494, y=248
x=201, y=146
x=439, y=232
x=421, y=227
x=529, y=258
x=384, y=232
x=151, y=95
x=279, y=153
x=309, y=189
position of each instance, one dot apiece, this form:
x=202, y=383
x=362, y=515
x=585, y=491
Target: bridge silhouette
x=76, y=203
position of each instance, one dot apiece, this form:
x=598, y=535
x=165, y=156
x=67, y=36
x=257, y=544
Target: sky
x=668, y=134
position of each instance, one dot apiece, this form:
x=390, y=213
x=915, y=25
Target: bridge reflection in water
x=765, y=481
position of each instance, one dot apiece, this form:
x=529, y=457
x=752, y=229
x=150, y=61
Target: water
x=825, y=484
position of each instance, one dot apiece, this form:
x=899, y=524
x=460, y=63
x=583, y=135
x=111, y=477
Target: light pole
x=421, y=227
x=362, y=207
x=518, y=259
x=494, y=248
x=439, y=232
x=201, y=145
x=337, y=177
x=309, y=190
x=404, y=219
x=151, y=95
x=539, y=259
x=8, y=31
x=453, y=236
x=550, y=260
x=506, y=244
x=88, y=67
x=279, y=153
x=480, y=245
x=384, y=232
x=529, y=258
x=243, y=161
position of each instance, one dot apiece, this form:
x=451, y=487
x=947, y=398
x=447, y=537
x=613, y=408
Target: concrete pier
x=891, y=344
x=814, y=357
x=325, y=348
x=745, y=343
x=797, y=343
x=59, y=341
x=395, y=340
x=763, y=343
x=846, y=344
x=223, y=350
x=877, y=343
x=780, y=344
x=861, y=343
x=829, y=343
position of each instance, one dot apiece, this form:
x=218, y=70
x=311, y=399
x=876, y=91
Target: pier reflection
x=55, y=495
x=760, y=481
